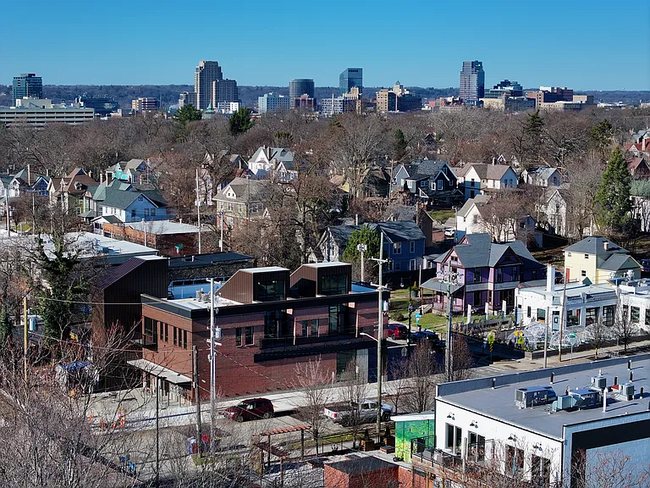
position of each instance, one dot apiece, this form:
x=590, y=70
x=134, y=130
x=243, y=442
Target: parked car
x=427, y=335
x=397, y=331
x=253, y=409
x=345, y=414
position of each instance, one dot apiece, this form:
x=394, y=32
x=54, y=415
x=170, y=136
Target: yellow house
x=599, y=260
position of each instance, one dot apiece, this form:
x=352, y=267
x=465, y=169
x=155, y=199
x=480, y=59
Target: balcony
x=286, y=347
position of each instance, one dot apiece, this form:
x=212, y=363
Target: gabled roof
x=423, y=168
x=478, y=200
x=542, y=173
x=478, y=251
x=488, y=171
x=403, y=230
x=595, y=245
x=619, y=261
x=245, y=189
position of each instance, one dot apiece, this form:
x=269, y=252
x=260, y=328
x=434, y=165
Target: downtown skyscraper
x=472, y=81
x=207, y=72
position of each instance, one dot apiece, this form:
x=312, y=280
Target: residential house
x=600, y=260
x=544, y=176
x=270, y=320
x=474, y=179
x=70, y=190
x=132, y=171
x=429, y=181
x=640, y=145
x=470, y=220
x=478, y=271
x=638, y=167
x=276, y=162
x=24, y=181
x=242, y=199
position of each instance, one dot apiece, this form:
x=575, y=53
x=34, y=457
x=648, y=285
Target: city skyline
x=510, y=44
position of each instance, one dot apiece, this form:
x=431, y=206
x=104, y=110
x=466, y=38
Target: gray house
x=426, y=180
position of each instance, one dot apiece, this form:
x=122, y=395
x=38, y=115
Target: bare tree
x=462, y=360
x=311, y=378
x=624, y=328
x=422, y=369
x=354, y=390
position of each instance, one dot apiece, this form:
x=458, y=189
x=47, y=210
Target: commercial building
x=472, y=81
x=273, y=102
x=28, y=85
x=300, y=87
x=333, y=106
x=224, y=91
x=103, y=106
x=206, y=73
x=145, y=104
x=39, y=112
x=351, y=78
x=397, y=99
x=187, y=98
x=505, y=87
x=270, y=320
x=303, y=102
x=563, y=427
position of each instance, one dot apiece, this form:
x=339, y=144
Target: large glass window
x=238, y=332
x=334, y=285
x=540, y=470
x=273, y=324
x=336, y=319
x=268, y=291
x=397, y=248
x=248, y=336
x=608, y=315
x=476, y=447
x=635, y=315
x=573, y=318
x=541, y=315
x=591, y=316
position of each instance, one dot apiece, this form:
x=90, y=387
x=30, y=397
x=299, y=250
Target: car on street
x=397, y=331
x=347, y=414
x=427, y=335
x=645, y=265
x=253, y=409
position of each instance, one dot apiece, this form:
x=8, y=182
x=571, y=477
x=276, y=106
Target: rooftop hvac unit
x=627, y=390
x=534, y=395
x=563, y=402
x=199, y=295
x=599, y=382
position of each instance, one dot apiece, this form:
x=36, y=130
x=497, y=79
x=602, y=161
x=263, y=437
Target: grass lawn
x=441, y=215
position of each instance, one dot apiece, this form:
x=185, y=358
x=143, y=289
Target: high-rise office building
x=350, y=78
x=207, y=72
x=28, y=85
x=272, y=102
x=224, y=91
x=300, y=87
x=472, y=81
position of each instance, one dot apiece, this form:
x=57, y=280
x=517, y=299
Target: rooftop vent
x=534, y=395
x=599, y=382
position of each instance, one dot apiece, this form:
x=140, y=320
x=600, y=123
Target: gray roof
x=619, y=261
x=361, y=465
x=467, y=206
x=480, y=252
x=543, y=173
x=595, y=245
x=246, y=190
x=401, y=212
x=478, y=396
x=399, y=231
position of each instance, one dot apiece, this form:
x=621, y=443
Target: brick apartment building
x=270, y=320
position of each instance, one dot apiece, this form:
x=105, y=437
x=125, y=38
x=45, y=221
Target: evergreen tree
x=601, y=135
x=529, y=142
x=240, y=121
x=613, y=197
x=400, y=145
x=5, y=326
x=188, y=113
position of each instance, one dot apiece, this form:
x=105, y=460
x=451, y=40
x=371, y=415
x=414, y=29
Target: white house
x=475, y=179
x=551, y=427
x=273, y=161
x=546, y=177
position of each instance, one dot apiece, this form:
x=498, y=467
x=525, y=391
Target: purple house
x=482, y=272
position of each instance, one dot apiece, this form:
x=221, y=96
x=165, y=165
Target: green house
x=413, y=434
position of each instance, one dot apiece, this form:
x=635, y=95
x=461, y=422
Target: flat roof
x=478, y=396
x=572, y=289
x=194, y=304
x=162, y=227
x=268, y=269
x=327, y=264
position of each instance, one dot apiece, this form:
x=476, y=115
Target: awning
x=434, y=284
x=160, y=371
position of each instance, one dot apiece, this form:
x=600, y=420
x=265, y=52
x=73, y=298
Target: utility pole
x=213, y=372
x=450, y=279
x=380, y=328
x=7, y=209
x=25, y=337
x=559, y=348
x=197, y=395
x=221, y=214
x=157, y=432
x=362, y=248
x=198, y=207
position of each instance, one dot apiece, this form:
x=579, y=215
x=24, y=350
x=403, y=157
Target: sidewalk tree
x=312, y=378
x=422, y=369
x=354, y=390
x=613, y=198
x=624, y=329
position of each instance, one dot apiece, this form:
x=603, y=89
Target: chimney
x=550, y=278
x=606, y=245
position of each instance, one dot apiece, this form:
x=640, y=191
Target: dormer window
x=77, y=186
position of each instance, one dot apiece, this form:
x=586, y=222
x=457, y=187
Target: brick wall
x=164, y=243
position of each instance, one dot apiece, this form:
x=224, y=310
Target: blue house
x=131, y=171
x=404, y=244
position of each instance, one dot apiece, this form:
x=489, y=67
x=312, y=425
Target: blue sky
x=582, y=44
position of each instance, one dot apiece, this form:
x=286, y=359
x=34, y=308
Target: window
x=132, y=213
x=514, y=459
x=149, y=330
x=591, y=315
x=635, y=313
x=412, y=265
x=586, y=256
x=608, y=315
x=477, y=275
x=423, y=183
x=397, y=248
x=304, y=326
x=153, y=212
x=476, y=445
x=541, y=315
x=229, y=207
x=583, y=273
x=336, y=319
x=314, y=328
x=477, y=298
x=412, y=247
x=273, y=323
x=647, y=316
x=334, y=285
x=146, y=212
x=268, y=291
x=248, y=336
x=238, y=336
x=454, y=438
x=573, y=318
x=569, y=253
x=184, y=339
x=499, y=275
x=441, y=184
x=540, y=470
x=528, y=312
x=625, y=312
